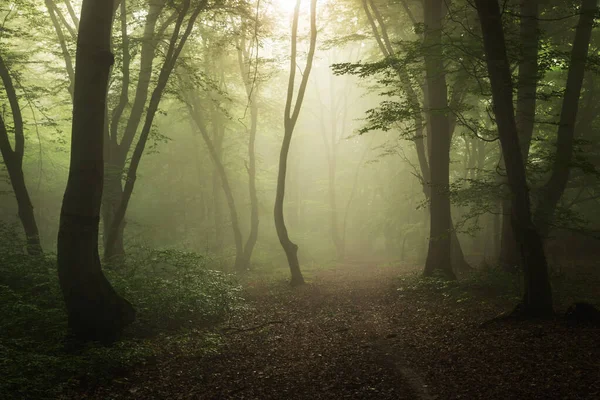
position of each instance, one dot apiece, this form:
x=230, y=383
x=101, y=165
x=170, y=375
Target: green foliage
x=170, y=290
x=485, y=285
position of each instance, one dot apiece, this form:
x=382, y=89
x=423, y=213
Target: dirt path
x=357, y=332
x=326, y=340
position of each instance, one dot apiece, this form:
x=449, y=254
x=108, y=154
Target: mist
x=312, y=199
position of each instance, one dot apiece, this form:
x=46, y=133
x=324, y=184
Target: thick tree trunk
x=95, y=310
x=13, y=159
x=537, y=298
x=439, y=253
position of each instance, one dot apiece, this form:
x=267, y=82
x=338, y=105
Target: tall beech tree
x=537, y=299
x=439, y=253
x=13, y=159
x=95, y=310
x=422, y=130
x=289, y=120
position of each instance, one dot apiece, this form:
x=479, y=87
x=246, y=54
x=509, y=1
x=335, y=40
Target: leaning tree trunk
x=525, y=117
x=194, y=110
x=115, y=163
x=561, y=167
x=290, y=119
x=174, y=49
x=13, y=159
x=439, y=254
x=537, y=298
x=95, y=310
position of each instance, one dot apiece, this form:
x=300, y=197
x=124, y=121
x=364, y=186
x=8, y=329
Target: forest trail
x=361, y=331
x=325, y=340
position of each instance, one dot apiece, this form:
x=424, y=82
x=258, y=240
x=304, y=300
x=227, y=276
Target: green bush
x=172, y=291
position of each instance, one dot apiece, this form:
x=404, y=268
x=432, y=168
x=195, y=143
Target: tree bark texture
x=95, y=310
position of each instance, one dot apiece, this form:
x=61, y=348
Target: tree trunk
x=537, y=298
x=290, y=119
x=555, y=187
x=439, y=254
x=525, y=117
x=117, y=152
x=13, y=159
x=95, y=310
x=111, y=197
x=251, y=86
x=194, y=110
x=254, y=221
x=171, y=56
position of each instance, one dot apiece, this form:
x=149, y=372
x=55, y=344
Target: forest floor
x=371, y=332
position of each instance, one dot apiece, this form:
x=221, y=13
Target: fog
x=273, y=199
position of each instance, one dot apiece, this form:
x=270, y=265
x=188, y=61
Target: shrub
x=170, y=290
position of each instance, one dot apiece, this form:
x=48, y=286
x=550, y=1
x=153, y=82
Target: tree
x=556, y=184
x=554, y=188
x=537, y=299
x=174, y=49
x=439, y=254
x=95, y=310
x=290, y=119
x=525, y=116
x=13, y=159
x=249, y=78
x=389, y=114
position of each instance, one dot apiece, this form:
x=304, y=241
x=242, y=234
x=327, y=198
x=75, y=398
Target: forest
x=299, y=199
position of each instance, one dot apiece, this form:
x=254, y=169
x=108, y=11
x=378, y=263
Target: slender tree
x=290, y=119
x=174, y=49
x=13, y=159
x=537, y=299
x=94, y=309
x=250, y=79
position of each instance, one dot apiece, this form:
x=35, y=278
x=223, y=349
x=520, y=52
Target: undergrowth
x=175, y=295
